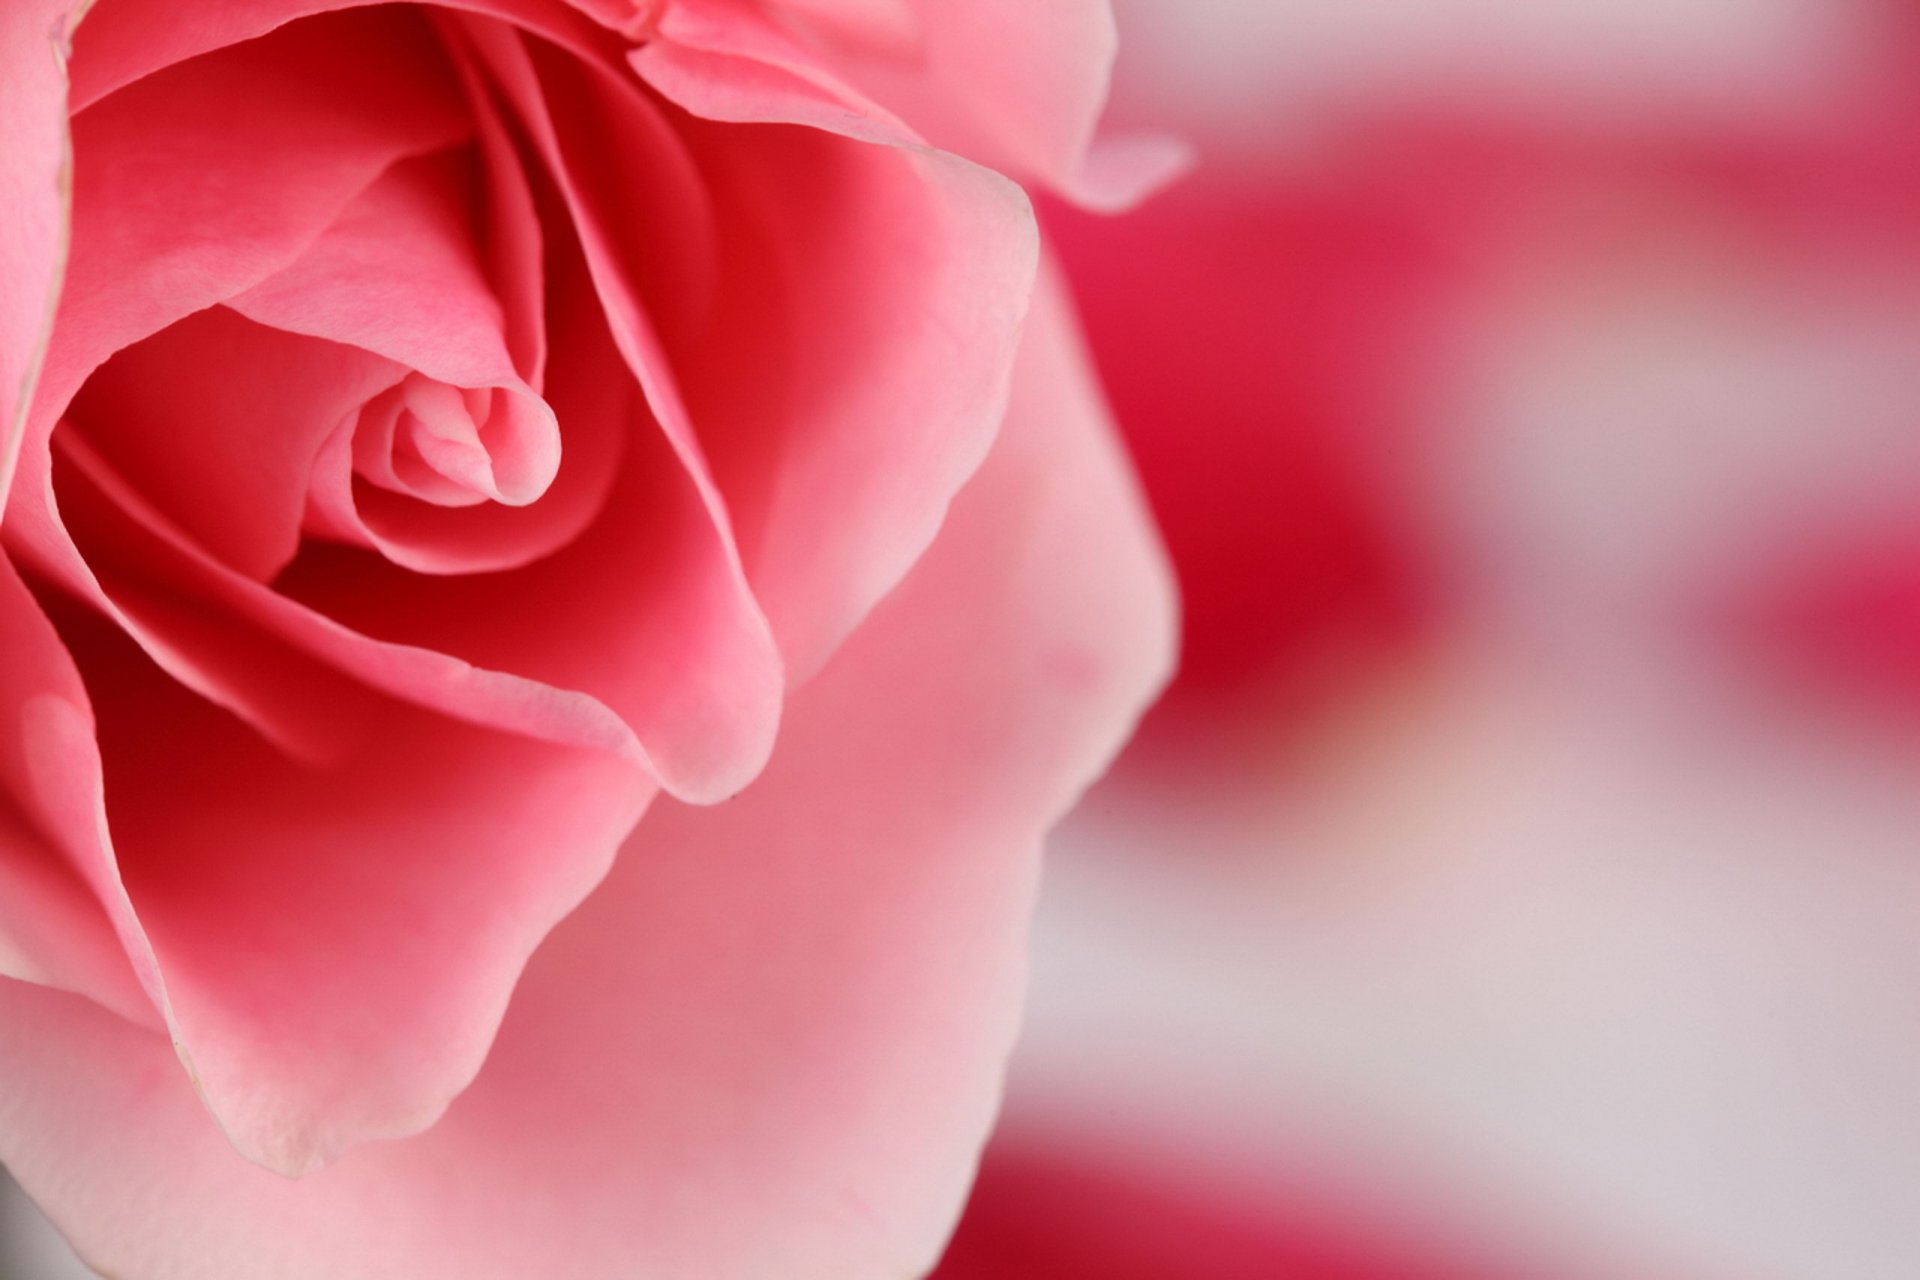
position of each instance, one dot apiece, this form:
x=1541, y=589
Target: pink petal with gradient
x=400, y=276
x=1018, y=87
x=337, y=934
x=218, y=420
x=788, y=1011
x=158, y=231
x=34, y=184
x=727, y=60
x=53, y=929
x=876, y=293
x=158, y=237
x=127, y=40
x=881, y=25
x=1015, y=86
x=709, y=703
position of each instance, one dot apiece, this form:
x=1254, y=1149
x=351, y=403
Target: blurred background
x=1521, y=878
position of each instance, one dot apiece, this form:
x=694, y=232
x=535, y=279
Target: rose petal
x=876, y=292
x=339, y=944
x=790, y=1011
x=564, y=628
x=161, y=228
x=877, y=295
x=726, y=60
x=128, y=40
x=336, y=935
x=34, y=181
x=217, y=421
x=1016, y=86
x=399, y=275
x=157, y=236
x=709, y=706
x=889, y=26
x=515, y=241
x=53, y=929
x=259, y=646
x=641, y=611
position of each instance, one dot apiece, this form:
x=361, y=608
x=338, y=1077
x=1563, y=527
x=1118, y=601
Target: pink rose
x=443, y=437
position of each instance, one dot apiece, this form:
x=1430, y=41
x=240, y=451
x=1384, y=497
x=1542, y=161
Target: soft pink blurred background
x=1521, y=880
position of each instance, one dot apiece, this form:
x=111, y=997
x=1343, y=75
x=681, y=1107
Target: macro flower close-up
x=959, y=639
x=559, y=560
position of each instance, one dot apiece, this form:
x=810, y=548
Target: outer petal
x=130, y=39
x=338, y=943
x=1019, y=87
x=877, y=294
x=1011, y=84
x=727, y=60
x=34, y=180
x=53, y=928
x=301, y=123
x=788, y=1011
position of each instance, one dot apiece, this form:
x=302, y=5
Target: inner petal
x=457, y=446
x=216, y=420
x=455, y=467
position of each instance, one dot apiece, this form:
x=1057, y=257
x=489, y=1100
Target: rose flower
x=559, y=560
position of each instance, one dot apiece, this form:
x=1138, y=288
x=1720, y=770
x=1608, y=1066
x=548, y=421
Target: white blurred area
x=1579, y=930
x=1256, y=75
x=1613, y=973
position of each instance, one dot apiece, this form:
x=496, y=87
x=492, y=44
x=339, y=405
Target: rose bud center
x=455, y=446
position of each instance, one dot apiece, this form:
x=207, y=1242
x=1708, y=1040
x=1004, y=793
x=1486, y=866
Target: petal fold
x=181, y=200
x=685, y=656
x=877, y=295
x=35, y=178
x=54, y=929
x=335, y=913
x=1015, y=86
